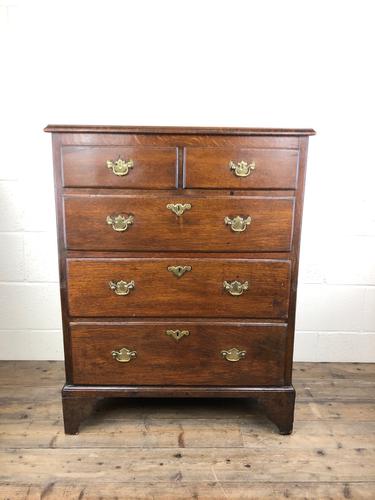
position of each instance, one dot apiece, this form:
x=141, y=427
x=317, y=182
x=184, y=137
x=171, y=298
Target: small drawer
x=178, y=353
x=178, y=287
x=231, y=168
x=179, y=223
x=127, y=167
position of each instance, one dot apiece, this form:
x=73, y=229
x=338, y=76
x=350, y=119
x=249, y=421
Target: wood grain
x=159, y=293
x=180, y=449
x=191, y=465
x=176, y=140
x=200, y=228
x=149, y=432
x=178, y=130
x=207, y=167
x=302, y=162
x=182, y=491
x=51, y=373
x=83, y=202
x=154, y=168
x=160, y=357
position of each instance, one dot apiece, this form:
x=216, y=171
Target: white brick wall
x=151, y=62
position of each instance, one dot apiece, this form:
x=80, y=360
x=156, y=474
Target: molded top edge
x=116, y=129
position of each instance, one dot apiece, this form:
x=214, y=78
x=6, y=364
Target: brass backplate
x=235, y=287
x=233, y=354
x=242, y=168
x=122, y=287
x=124, y=355
x=120, y=167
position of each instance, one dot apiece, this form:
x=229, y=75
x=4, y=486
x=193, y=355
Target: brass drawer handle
x=124, y=355
x=242, y=168
x=179, y=270
x=120, y=222
x=177, y=334
x=233, y=354
x=178, y=208
x=235, y=287
x=238, y=223
x=120, y=167
x=122, y=287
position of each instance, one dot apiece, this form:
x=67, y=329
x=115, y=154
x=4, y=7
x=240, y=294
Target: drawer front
x=226, y=223
x=120, y=167
x=154, y=357
x=240, y=168
x=172, y=287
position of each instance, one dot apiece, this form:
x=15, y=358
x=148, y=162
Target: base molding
x=78, y=400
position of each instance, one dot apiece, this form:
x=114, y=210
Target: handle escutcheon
x=179, y=270
x=233, y=354
x=242, y=168
x=124, y=355
x=178, y=208
x=235, y=287
x=238, y=224
x=120, y=167
x=122, y=287
x=119, y=222
x=177, y=334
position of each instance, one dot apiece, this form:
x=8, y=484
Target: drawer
x=240, y=168
x=213, y=223
x=128, y=167
x=157, y=358
x=173, y=286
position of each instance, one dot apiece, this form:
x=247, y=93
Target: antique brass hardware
x=120, y=167
x=235, y=287
x=120, y=222
x=124, y=355
x=178, y=208
x=179, y=270
x=233, y=354
x=242, y=168
x=177, y=334
x=238, y=223
x=122, y=287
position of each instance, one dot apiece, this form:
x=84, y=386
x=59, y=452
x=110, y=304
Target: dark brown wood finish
x=161, y=359
x=295, y=256
x=267, y=252
x=278, y=402
x=279, y=407
x=75, y=411
x=201, y=228
x=123, y=129
x=152, y=167
x=181, y=141
x=210, y=166
x=158, y=292
x=57, y=168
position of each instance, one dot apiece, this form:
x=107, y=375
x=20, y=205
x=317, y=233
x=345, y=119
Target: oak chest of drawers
x=178, y=254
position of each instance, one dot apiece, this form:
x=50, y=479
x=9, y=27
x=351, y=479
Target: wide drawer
x=120, y=166
x=178, y=354
x=173, y=286
x=235, y=168
x=214, y=223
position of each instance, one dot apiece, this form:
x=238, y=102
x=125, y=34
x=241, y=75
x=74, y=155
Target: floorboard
x=182, y=449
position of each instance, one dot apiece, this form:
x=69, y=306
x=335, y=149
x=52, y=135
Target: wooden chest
x=178, y=254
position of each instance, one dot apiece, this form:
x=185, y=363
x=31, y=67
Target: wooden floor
x=182, y=449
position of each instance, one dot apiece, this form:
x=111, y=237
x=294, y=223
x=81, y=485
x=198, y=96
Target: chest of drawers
x=178, y=251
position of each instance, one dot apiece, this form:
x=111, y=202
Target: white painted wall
x=240, y=63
